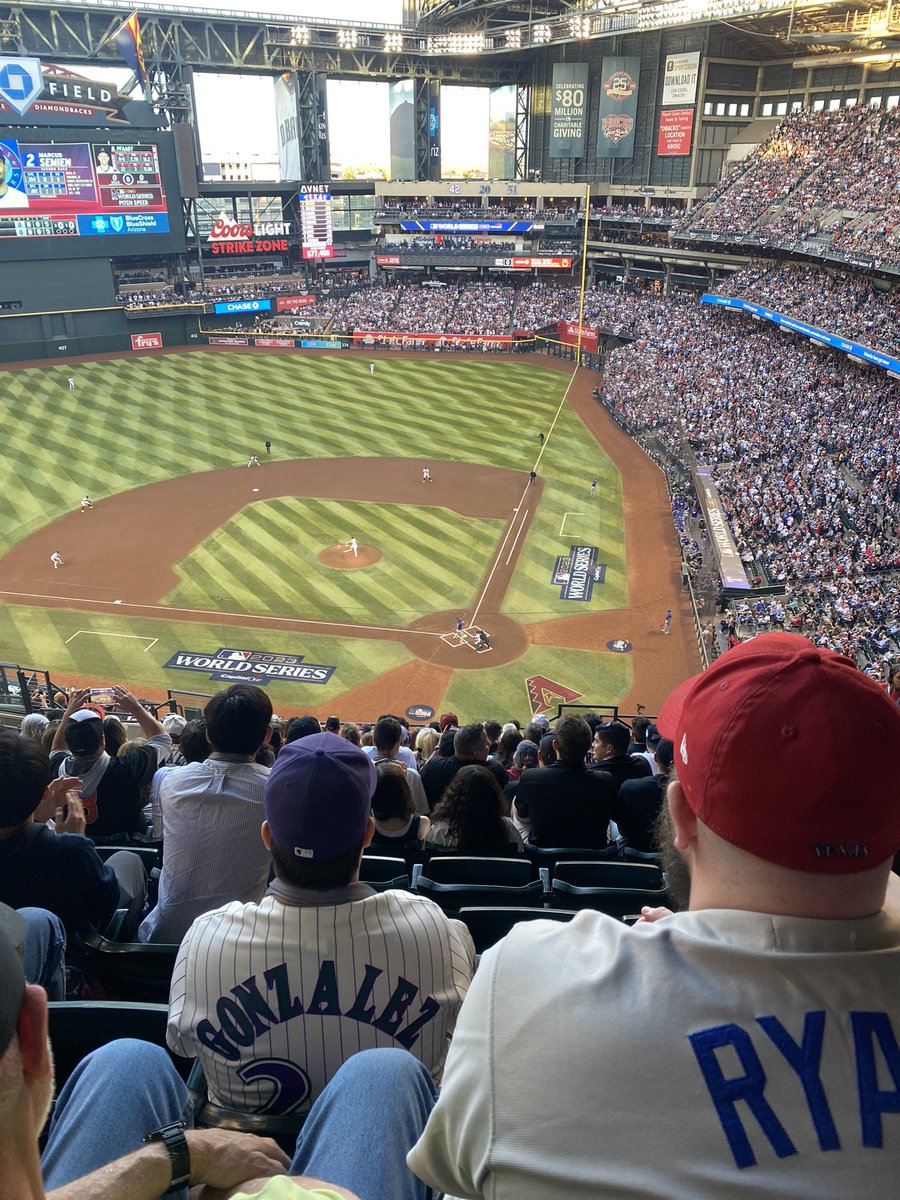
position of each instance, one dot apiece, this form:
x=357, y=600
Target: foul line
x=563, y=522
x=509, y=530
x=512, y=548
x=173, y=614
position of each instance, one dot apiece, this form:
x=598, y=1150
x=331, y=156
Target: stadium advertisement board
x=731, y=568
x=618, y=106
x=290, y=303
x=527, y=264
x=567, y=332
x=281, y=343
x=146, y=341
x=228, y=236
x=255, y=666
x=675, y=128
x=568, y=110
x=472, y=226
x=38, y=93
x=228, y=341
x=241, y=306
x=576, y=573
x=875, y=357
x=680, y=74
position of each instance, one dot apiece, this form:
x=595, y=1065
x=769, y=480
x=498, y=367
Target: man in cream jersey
x=746, y=1046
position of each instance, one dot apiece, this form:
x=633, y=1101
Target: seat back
x=610, y=874
x=454, y=896
x=489, y=924
x=615, y=902
x=149, y=855
x=384, y=873
x=79, y=1026
x=544, y=856
x=506, y=872
x=130, y=970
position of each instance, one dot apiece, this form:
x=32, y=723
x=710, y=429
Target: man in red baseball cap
x=747, y=1045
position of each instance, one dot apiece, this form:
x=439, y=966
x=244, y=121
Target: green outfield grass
x=135, y=421
x=426, y=565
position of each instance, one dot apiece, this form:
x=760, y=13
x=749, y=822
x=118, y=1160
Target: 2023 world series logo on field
x=249, y=666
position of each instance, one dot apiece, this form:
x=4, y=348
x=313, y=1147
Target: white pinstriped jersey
x=274, y=997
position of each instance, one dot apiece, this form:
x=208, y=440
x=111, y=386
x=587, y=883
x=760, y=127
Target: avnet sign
x=250, y=666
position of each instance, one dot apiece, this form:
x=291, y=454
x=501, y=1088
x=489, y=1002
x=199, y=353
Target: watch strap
x=172, y=1137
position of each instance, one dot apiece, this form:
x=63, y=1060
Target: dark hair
x=392, y=797
x=237, y=720
x=639, y=727
x=386, y=733
x=314, y=875
x=193, y=744
x=493, y=729
x=616, y=735
x=472, y=807
x=507, y=747
x=468, y=740
x=573, y=738
x=350, y=733
x=533, y=733
x=332, y=724
x=24, y=775
x=546, y=749
x=114, y=735
x=300, y=727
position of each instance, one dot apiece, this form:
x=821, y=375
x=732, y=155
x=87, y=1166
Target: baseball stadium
x=401, y=401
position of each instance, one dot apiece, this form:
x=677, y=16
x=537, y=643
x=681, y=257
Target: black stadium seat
x=488, y=924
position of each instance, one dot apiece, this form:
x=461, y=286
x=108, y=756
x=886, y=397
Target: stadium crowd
x=822, y=176
x=848, y=305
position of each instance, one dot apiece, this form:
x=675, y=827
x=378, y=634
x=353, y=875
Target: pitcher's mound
x=343, y=558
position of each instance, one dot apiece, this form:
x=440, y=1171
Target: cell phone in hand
x=104, y=696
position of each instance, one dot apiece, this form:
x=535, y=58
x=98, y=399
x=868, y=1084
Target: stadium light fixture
x=580, y=27
x=456, y=43
x=541, y=34
x=514, y=39
x=393, y=43
x=347, y=39
x=301, y=35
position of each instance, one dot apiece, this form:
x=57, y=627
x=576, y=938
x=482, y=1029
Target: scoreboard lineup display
x=80, y=189
x=316, y=236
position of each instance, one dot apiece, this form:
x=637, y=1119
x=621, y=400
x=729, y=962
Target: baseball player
x=593, y=488
x=71, y=383
x=667, y=622
x=371, y=368
x=541, y=438
x=327, y=966
x=459, y=629
x=56, y=560
x=353, y=545
x=86, y=503
x=532, y=475
x=268, y=446
x=254, y=461
x=426, y=475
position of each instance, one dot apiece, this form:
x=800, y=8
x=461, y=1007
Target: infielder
x=56, y=560
x=426, y=475
x=353, y=544
x=254, y=461
x=86, y=503
x=326, y=966
x=667, y=622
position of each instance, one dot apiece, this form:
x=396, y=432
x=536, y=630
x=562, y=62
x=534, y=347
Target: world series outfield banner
x=576, y=573
x=618, y=107
x=249, y=666
x=568, y=110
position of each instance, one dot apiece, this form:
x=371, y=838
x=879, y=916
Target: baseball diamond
x=258, y=559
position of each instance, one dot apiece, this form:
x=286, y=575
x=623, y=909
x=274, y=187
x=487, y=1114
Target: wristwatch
x=172, y=1137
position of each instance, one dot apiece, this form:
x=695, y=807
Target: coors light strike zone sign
x=228, y=236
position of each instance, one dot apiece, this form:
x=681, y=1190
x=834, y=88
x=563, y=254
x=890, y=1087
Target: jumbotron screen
x=80, y=197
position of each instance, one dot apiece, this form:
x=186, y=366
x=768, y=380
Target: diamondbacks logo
x=616, y=127
x=620, y=86
x=544, y=694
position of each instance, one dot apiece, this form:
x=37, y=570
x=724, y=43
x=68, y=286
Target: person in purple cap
x=273, y=997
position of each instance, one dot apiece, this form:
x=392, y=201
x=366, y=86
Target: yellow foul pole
x=587, y=216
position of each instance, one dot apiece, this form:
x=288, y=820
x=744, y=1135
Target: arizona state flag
x=128, y=43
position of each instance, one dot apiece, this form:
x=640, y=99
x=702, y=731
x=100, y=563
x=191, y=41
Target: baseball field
x=193, y=568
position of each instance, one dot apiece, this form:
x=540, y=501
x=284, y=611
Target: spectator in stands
x=610, y=747
x=780, y=977
x=57, y=868
x=33, y=726
x=300, y=727
x=509, y=739
x=638, y=743
x=344, y=964
x=471, y=815
x=565, y=804
x=399, y=828
x=387, y=749
x=892, y=687
x=194, y=747
x=470, y=745
x=211, y=814
x=350, y=732
x=639, y=802
x=426, y=744
x=115, y=736
x=111, y=787
x=174, y=725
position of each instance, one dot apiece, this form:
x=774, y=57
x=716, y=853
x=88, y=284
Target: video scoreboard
x=80, y=189
x=317, y=238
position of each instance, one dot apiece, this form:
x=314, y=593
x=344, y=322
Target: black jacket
x=623, y=766
x=637, y=808
x=567, y=805
x=438, y=772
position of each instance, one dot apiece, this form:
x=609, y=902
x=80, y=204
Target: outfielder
x=274, y=996
x=371, y=368
x=71, y=383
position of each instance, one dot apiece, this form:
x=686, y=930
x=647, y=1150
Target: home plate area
x=471, y=636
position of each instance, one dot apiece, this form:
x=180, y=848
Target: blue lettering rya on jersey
x=251, y=1009
x=877, y=1060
